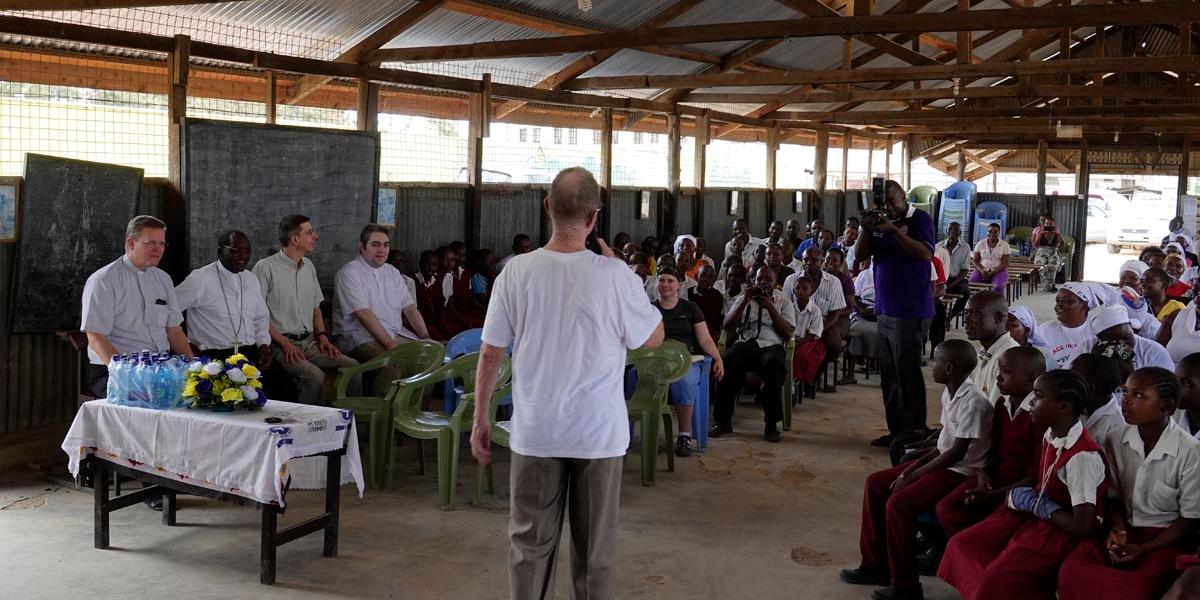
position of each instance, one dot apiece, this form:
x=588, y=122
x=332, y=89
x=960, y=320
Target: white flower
x=195, y=366
x=214, y=368
x=236, y=375
x=249, y=393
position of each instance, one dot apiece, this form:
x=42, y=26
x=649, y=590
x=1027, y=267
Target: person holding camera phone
x=1048, y=244
x=899, y=238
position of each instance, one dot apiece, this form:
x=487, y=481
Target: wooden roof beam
x=96, y=4
x=1031, y=18
x=817, y=8
x=1006, y=115
x=948, y=71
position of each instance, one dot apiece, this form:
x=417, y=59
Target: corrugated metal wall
x=625, y=204
x=427, y=218
x=507, y=211
x=717, y=220
x=757, y=215
x=832, y=208
x=785, y=205
x=685, y=213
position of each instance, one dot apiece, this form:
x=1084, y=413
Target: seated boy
x=1102, y=411
x=894, y=497
x=810, y=351
x=1016, y=440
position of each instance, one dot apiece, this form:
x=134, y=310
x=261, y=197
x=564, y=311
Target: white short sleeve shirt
x=828, y=296
x=570, y=319
x=224, y=309
x=991, y=257
x=381, y=290
x=131, y=307
x=968, y=415
x=1164, y=485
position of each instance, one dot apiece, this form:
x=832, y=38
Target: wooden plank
x=847, y=139
x=606, y=137
x=891, y=117
x=1042, y=17
x=272, y=96
x=816, y=8
x=1042, y=152
x=833, y=76
x=177, y=78
x=1185, y=49
x=821, y=161
x=964, y=37
x=946, y=93
x=673, y=168
x=367, y=109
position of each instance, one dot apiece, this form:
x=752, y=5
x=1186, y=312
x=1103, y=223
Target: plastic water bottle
x=116, y=369
x=139, y=393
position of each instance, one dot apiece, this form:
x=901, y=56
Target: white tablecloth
x=234, y=452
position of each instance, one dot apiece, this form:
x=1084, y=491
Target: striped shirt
x=829, y=296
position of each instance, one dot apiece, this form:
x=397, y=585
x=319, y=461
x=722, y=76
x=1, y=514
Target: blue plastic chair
x=955, y=206
x=464, y=343
x=986, y=214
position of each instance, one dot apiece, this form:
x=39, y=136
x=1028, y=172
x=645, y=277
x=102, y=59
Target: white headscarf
x=1136, y=266
x=1107, y=316
x=1025, y=315
x=1083, y=291
x=679, y=241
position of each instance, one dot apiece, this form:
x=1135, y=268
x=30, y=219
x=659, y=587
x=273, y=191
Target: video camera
x=873, y=206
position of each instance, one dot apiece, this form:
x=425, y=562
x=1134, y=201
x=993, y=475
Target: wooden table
x=167, y=489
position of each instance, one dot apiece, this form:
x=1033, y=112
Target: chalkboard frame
x=15, y=184
x=186, y=168
x=72, y=301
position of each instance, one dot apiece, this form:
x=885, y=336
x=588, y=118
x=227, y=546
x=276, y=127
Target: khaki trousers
x=542, y=490
x=309, y=374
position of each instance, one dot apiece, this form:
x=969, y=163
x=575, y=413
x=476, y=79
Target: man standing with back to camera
x=900, y=241
x=570, y=316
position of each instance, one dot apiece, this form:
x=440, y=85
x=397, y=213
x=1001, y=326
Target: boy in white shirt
x=809, y=352
x=895, y=497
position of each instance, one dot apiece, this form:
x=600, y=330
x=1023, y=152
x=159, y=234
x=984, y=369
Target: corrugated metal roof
x=605, y=14
x=443, y=27
x=633, y=62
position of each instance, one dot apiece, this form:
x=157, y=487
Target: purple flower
x=204, y=387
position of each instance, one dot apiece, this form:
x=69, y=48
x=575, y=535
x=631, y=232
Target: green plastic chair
x=922, y=194
x=657, y=369
x=501, y=436
x=415, y=357
x=408, y=418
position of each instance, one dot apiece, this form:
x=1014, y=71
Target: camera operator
x=899, y=240
x=1049, y=245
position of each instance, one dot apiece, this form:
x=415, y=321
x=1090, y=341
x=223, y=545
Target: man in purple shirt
x=901, y=247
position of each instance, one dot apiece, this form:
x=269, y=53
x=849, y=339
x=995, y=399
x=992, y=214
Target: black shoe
x=683, y=446
x=865, y=576
x=155, y=504
x=772, y=435
x=928, y=561
x=883, y=441
x=891, y=593
x=719, y=430
x=810, y=390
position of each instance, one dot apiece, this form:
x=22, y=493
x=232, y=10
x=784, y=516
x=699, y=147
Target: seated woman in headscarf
x=1115, y=338
x=1023, y=327
x=1180, y=332
x=1068, y=334
x=1175, y=268
x=1131, y=275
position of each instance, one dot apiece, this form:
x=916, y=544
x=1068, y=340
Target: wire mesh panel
x=736, y=164
x=640, y=158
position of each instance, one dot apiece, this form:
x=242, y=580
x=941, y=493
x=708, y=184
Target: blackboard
x=248, y=177
x=73, y=219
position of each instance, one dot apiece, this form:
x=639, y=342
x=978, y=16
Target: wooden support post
x=472, y=221
x=1185, y=163
x=847, y=139
x=821, y=162
x=964, y=37
x=871, y=159
x=910, y=141
x=668, y=224
x=272, y=96
x=1082, y=171
x=848, y=48
x=605, y=175
x=962, y=163
x=887, y=158
x=177, y=74
x=700, y=166
x=368, y=105
x=485, y=107
x=773, y=136
x=1041, y=171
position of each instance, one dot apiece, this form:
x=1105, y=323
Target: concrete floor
x=746, y=520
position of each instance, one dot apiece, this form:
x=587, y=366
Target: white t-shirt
x=1065, y=343
x=1185, y=339
x=990, y=257
x=570, y=319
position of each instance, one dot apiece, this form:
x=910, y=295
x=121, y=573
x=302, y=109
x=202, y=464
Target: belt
x=298, y=337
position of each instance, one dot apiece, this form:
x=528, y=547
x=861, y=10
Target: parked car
x=1102, y=205
x=1143, y=221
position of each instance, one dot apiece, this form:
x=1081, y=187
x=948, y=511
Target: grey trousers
x=309, y=374
x=542, y=489
x=902, y=343
x=384, y=377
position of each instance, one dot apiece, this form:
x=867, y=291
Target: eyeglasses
x=153, y=243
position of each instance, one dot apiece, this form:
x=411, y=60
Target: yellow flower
x=203, y=375
x=235, y=359
x=255, y=383
x=189, y=389
x=250, y=371
x=231, y=395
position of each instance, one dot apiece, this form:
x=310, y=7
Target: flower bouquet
x=224, y=385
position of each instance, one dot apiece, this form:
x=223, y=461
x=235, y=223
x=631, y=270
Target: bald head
x=574, y=196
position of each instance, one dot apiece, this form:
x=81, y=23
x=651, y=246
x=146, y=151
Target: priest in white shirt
x=226, y=312
x=372, y=303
